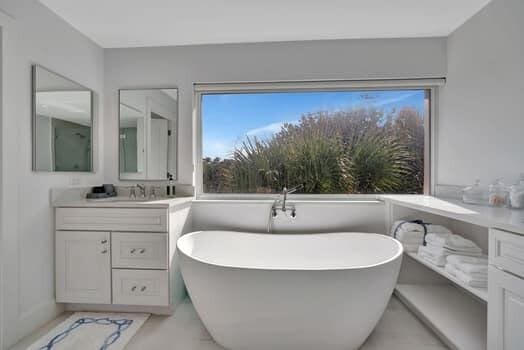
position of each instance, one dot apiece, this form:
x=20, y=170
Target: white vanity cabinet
x=111, y=258
x=466, y=317
x=506, y=291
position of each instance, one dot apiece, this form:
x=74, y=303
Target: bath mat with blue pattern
x=92, y=331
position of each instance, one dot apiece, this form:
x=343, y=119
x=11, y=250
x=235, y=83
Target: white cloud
x=218, y=148
x=268, y=130
x=391, y=100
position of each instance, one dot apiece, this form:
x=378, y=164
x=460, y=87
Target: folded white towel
x=411, y=248
x=417, y=241
x=469, y=264
x=438, y=250
x=452, y=270
x=450, y=241
x=435, y=260
x=473, y=270
x=429, y=255
x=410, y=236
x=473, y=281
x=462, y=259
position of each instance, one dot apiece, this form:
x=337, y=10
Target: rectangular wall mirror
x=148, y=128
x=62, y=123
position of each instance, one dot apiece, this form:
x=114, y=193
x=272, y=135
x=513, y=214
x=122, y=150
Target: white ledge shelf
x=458, y=319
x=490, y=217
x=481, y=293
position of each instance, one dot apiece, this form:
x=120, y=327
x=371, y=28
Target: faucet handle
x=152, y=192
x=132, y=192
x=293, y=189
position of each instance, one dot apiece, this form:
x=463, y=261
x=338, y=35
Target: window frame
x=199, y=89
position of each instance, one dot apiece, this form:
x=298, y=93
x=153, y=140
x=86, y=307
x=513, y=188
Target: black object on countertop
x=104, y=191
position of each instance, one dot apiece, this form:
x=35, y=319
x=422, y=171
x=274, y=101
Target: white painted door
x=83, y=267
x=157, y=155
x=505, y=311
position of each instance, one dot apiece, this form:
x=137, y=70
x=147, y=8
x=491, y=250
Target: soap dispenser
x=170, y=188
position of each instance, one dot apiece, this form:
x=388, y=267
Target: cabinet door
x=83, y=267
x=505, y=311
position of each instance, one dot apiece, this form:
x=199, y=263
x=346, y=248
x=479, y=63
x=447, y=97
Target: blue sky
x=228, y=118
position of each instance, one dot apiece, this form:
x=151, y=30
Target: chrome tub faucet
x=280, y=202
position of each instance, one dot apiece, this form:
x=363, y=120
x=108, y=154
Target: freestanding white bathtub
x=297, y=291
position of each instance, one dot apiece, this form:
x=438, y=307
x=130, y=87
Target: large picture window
x=329, y=141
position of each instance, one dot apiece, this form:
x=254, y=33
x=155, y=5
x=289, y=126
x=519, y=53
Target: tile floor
x=397, y=330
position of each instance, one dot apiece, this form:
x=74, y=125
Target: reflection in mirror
x=62, y=123
x=148, y=134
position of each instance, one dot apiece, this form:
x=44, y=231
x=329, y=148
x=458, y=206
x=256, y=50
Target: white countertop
x=491, y=217
x=123, y=202
x=501, y=218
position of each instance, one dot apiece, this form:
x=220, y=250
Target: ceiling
x=136, y=23
x=73, y=106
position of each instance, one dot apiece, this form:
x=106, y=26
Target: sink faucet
x=142, y=189
x=285, y=192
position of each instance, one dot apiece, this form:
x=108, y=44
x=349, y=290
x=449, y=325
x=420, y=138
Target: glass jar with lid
x=516, y=194
x=475, y=194
x=498, y=194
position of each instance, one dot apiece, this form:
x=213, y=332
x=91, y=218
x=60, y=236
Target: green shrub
x=356, y=151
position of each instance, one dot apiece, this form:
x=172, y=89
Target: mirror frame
x=34, y=67
x=175, y=177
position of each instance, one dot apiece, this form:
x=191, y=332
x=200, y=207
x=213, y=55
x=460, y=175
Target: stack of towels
x=471, y=270
x=440, y=246
x=411, y=233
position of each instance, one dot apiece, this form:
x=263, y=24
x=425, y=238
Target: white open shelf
x=457, y=318
x=489, y=217
x=481, y=293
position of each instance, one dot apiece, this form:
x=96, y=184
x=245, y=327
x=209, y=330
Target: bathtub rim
x=397, y=255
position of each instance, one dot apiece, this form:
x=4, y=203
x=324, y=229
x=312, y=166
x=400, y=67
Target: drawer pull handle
x=104, y=251
x=142, y=251
x=133, y=251
x=133, y=289
x=143, y=288
x=104, y=241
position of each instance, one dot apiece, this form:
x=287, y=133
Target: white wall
x=481, y=119
x=33, y=34
x=183, y=66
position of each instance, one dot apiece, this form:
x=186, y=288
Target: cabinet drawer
x=139, y=250
x=140, y=287
x=506, y=251
x=112, y=219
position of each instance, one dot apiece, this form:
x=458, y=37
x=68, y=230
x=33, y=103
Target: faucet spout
x=285, y=192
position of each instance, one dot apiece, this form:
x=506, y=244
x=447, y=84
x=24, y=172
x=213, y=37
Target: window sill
x=270, y=198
